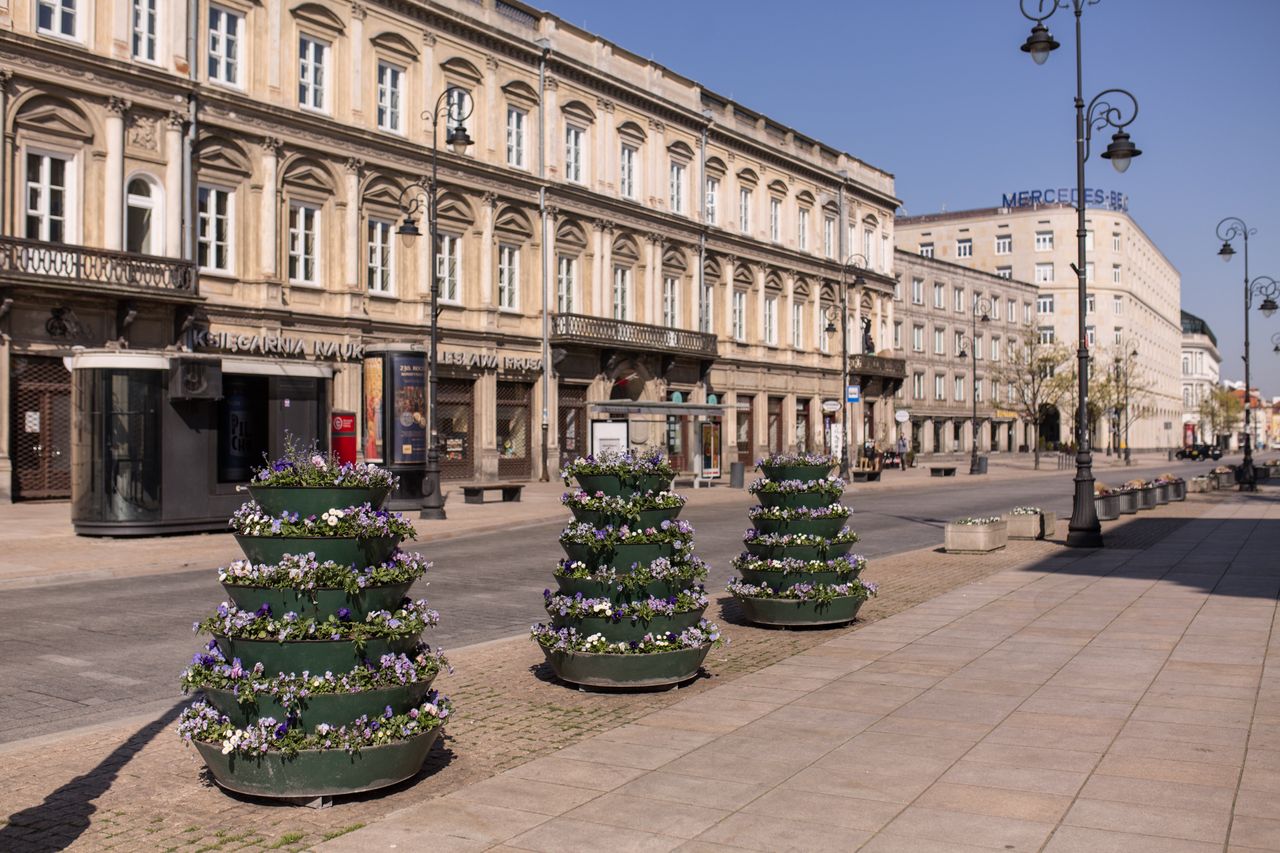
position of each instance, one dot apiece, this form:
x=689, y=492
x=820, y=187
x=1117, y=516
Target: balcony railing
x=875, y=365
x=67, y=264
x=602, y=331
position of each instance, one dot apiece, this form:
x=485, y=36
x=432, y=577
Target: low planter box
x=319, y=708
x=1147, y=497
x=1199, y=484
x=1225, y=480
x=318, y=772
x=1107, y=507
x=314, y=500
x=625, y=630
x=345, y=551
x=1038, y=526
x=320, y=603
x=976, y=538
x=1162, y=493
x=782, y=611
x=624, y=670
x=1178, y=490
x=1127, y=501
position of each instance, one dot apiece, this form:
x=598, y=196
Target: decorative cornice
x=175, y=120
x=354, y=165
x=358, y=11
x=271, y=145
x=118, y=106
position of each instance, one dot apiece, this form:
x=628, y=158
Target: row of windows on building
x=1047, y=335
x=1004, y=244
x=960, y=342
x=958, y=383
x=1045, y=303
x=989, y=305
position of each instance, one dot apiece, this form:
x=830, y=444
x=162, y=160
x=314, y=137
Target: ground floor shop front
x=953, y=433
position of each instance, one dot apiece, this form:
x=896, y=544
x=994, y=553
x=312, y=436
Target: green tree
x=1033, y=370
x=1220, y=412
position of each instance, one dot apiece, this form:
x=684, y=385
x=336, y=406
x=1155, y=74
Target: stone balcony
x=62, y=266
x=581, y=329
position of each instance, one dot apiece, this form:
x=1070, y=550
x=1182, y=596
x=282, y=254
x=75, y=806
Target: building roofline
x=962, y=268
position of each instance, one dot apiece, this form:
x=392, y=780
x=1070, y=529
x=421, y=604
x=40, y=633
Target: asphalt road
x=82, y=654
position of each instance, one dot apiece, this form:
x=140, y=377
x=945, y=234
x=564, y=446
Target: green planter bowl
x=798, y=552
x=336, y=708
x=311, y=655
x=654, y=670
x=786, y=580
x=626, y=630
x=648, y=517
x=780, y=611
x=320, y=603
x=600, y=589
x=615, y=486
x=816, y=526
x=812, y=500
x=318, y=772
x=314, y=500
x=621, y=556
x=347, y=551
x=796, y=472
x=1107, y=507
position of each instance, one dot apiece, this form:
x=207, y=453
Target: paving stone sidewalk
x=1117, y=701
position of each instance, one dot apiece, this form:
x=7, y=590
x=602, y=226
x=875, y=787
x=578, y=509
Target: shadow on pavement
x=63, y=817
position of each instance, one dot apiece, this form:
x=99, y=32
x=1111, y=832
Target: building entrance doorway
x=40, y=426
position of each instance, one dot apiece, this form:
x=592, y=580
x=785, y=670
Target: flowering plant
x=832, y=486
x=967, y=522
x=1137, y=484
x=209, y=670
x=849, y=563
x=1222, y=469
x=1102, y=490
x=202, y=722
x=677, y=533
x=408, y=620
x=306, y=466
x=777, y=513
x=681, y=570
x=627, y=507
x=1168, y=478
x=816, y=459
x=579, y=606
x=649, y=463
x=783, y=539
x=571, y=640
x=819, y=593
x=1026, y=510
x=360, y=522
x=302, y=571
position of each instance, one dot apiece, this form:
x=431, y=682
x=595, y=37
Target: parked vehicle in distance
x=1200, y=451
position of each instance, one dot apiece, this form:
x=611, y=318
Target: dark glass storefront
x=116, y=444
x=515, y=442
x=457, y=427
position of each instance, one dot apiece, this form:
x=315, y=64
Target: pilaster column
x=552, y=268
x=606, y=143
x=495, y=128
x=113, y=178
x=594, y=298
x=6, y=203
x=551, y=112
x=653, y=281
x=653, y=186
x=173, y=211
x=356, y=45
x=268, y=247
x=606, y=269
x=351, y=241
x=726, y=313
x=487, y=287
x=425, y=94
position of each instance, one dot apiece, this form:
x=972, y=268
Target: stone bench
x=473, y=493
x=942, y=470
x=864, y=476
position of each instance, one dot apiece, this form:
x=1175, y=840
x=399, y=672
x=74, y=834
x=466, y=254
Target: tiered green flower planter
x=799, y=583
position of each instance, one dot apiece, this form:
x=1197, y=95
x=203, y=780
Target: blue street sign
x=853, y=394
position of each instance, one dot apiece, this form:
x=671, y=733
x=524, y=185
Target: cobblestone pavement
x=132, y=786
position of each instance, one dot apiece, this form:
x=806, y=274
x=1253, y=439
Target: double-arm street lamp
x=1084, y=531
x=981, y=313
x=454, y=103
x=1266, y=287
x=853, y=260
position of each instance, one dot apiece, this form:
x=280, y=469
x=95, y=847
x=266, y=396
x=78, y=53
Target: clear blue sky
x=937, y=92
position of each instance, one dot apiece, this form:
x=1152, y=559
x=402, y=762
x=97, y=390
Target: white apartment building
x=1201, y=373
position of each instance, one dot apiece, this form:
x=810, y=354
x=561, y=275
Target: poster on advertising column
x=408, y=438
x=373, y=403
x=711, y=450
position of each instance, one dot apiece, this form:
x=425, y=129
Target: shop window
x=242, y=426
x=117, y=433
x=515, y=443
x=456, y=426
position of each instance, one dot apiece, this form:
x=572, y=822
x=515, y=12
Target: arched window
x=142, y=231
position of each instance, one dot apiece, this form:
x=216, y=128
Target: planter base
x=782, y=612
x=318, y=772
x=627, y=671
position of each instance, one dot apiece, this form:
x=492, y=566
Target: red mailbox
x=342, y=436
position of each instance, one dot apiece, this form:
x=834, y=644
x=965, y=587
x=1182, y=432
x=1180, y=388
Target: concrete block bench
x=942, y=470
x=861, y=476
x=473, y=493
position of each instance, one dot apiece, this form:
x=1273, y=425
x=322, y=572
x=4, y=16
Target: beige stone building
x=1134, y=293
x=227, y=211
x=1201, y=373
x=939, y=331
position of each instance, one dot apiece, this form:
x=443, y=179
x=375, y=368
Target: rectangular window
x=1012, y=310
x=829, y=236
x=775, y=220
x=886, y=255
x=802, y=230
x=939, y=296
x=977, y=346
x=304, y=243
x=995, y=349
x=771, y=320
x=713, y=196
x=995, y=308
x=1117, y=304
x=1004, y=272
x=1089, y=304
x=1115, y=241
x=457, y=104
x=1026, y=313
x=824, y=337
x=508, y=277
x=144, y=30
x=627, y=172
x=573, y=154
x=705, y=302
x=313, y=58
x=977, y=390
x=57, y=18
x=964, y=248
x=671, y=302
x=868, y=247
x=926, y=250
x=1115, y=273
x=939, y=387
x=389, y=83
x=897, y=334
x=1088, y=241
x=621, y=292
x=46, y=198
x=1046, y=334
x=516, y=120
x=1004, y=244
x=917, y=291
x=1090, y=335
x=1044, y=273
x=958, y=342
x=917, y=386
x=1117, y=336
x=917, y=338
x=449, y=266
x=677, y=188
x=957, y=387
x=1088, y=272
x=380, y=265
x=744, y=210
x=797, y=325
x=1044, y=241
x=1044, y=303
x=213, y=228
x=957, y=298
x=739, y=315
x=939, y=341
x=224, y=46
x=566, y=283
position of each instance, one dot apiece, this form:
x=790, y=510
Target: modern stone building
x=1134, y=292
x=939, y=331
x=616, y=243
x=1201, y=373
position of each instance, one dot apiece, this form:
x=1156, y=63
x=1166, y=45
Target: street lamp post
x=1266, y=287
x=1084, y=531
x=455, y=103
x=982, y=307
x=844, y=350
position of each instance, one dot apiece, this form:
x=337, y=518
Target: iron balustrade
x=581, y=328
x=876, y=365
x=68, y=263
